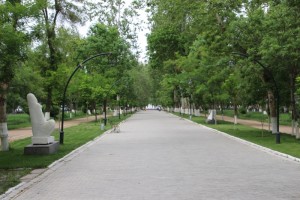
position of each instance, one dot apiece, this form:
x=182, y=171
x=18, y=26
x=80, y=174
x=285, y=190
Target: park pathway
x=159, y=156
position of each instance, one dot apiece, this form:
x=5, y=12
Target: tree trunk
x=293, y=104
x=104, y=111
x=272, y=106
x=51, y=36
x=95, y=109
x=235, y=113
x=3, y=117
x=49, y=99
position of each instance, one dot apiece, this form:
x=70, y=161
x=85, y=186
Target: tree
x=141, y=85
x=247, y=34
x=51, y=14
x=280, y=48
x=12, y=47
x=181, y=28
x=107, y=71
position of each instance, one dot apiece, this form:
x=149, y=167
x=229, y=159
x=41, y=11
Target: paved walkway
x=158, y=156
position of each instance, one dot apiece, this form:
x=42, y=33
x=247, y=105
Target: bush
x=242, y=110
x=54, y=111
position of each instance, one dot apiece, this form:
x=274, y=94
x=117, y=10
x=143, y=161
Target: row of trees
x=40, y=47
x=195, y=47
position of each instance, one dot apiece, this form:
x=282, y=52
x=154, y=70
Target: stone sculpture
x=41, y=128
x=211, y=119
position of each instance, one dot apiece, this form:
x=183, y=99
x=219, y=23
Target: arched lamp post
x=61, y=133
x=276, y=91
x=105, y=100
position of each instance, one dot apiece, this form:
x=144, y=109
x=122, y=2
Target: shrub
x=242, y=110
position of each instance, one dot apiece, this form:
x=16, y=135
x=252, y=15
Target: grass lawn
x=285, y=118
x=14, y=164
x=15, y=121
x=289, y=145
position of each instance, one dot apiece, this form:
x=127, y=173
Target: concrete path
x=158, y=156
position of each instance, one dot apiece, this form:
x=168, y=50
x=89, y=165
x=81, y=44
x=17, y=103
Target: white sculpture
x=115, y=113
x=41, y=128
x=211, y=119
x=197, y=112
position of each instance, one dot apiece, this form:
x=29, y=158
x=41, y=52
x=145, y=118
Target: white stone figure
x=197, y=113
x=41, y=128
x=186, y=111
x=115, y=113
x=212, y=117
x=47, y=116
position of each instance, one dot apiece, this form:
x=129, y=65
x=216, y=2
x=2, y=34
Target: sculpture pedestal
x=42, y=140
x=41, y=149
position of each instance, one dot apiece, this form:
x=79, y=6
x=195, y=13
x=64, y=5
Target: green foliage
x=242, y=110
x=10, y=178
x=195, y=40
x=15, y=121
x=12, y=39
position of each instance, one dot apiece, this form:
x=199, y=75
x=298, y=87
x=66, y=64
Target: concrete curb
x=256, y=146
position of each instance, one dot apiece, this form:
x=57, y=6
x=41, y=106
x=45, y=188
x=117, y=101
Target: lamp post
x=105, y=100
x=61, y=133
x=190, y=98
x=104, y=110
x=276, y=92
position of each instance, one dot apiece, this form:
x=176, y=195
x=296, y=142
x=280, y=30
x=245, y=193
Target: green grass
x=285, y=118
x=14, y=164
x=15, y=121
x=289, y=145
x=10, y=178
x=79, y=114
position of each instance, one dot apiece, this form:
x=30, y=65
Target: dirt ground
x=27, y=132
x=256, y=124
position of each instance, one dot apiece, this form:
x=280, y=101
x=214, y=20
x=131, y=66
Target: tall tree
x=280, y=48
x=108, y=71
x=12, y=47
x=53, y=14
